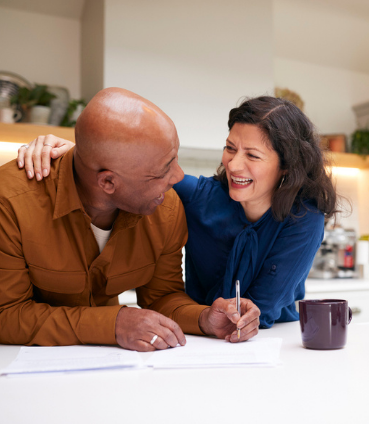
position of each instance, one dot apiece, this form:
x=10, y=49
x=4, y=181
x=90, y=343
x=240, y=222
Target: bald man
x=105, y=220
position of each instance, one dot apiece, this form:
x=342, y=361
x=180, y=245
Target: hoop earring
x=282, y=181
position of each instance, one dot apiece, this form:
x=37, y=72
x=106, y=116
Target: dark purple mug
x=324, y=323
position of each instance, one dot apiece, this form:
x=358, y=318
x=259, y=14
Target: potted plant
x=35, y=103
x=75, y=108
x=360, y=142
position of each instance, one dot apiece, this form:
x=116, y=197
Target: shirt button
x=274, y=267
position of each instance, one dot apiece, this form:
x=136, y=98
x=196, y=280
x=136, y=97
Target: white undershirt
x=101, y=236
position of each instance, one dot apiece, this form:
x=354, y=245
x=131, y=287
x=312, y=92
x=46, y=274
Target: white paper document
x=199, y=352
x=71, y=358
x=205, y=352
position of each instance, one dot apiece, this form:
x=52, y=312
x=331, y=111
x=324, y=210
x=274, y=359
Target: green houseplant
x=75, y=107
x=35, y=103
x=360, y=142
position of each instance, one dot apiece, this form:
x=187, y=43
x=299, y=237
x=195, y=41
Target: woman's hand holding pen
x=222, y=319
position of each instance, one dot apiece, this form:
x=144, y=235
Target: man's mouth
x=241, y=181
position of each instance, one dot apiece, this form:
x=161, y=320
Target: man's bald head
x=126, y=154
x=115, y=117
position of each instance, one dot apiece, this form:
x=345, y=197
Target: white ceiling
x=71, y=9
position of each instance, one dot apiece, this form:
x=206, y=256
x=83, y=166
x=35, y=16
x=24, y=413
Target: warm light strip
x=6, y=147
x=349, y=172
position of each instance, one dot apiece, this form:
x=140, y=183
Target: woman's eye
x=229, y=148
x=253, y=156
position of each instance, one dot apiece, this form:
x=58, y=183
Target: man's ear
x=106, y=181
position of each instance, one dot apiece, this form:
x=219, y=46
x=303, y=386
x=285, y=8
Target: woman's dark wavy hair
x=293, y=137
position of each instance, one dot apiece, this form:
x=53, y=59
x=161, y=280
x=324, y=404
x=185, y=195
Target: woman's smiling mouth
x=241, y=181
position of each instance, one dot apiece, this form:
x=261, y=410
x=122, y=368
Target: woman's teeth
x=241, y=181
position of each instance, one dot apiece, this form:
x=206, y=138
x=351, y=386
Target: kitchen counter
x=308, y=386
x=315, y=285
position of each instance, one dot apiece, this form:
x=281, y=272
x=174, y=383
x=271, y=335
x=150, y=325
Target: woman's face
x=252, y=168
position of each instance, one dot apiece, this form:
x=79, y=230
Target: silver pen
x=238, y=305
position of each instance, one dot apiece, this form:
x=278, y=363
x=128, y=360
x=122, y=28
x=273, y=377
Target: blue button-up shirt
x=271, y=259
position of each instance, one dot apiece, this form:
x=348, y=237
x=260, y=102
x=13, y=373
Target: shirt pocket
x=63, y=282
x=129, y=280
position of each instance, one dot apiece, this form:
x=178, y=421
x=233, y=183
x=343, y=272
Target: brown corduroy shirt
x=55, y=286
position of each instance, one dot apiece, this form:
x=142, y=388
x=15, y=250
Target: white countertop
x=308, y=387
x=335, y=284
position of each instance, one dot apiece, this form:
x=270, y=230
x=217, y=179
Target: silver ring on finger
x=47, y=144
x=25, y=146
x=154, y=339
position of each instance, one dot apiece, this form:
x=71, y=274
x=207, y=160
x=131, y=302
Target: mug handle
x=350, y=316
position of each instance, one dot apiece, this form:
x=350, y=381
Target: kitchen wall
x=321, y=53
x=41, y=48
x=194, y=59
x=92, y=49
x=328, y=92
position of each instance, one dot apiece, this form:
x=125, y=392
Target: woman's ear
x=106, y=181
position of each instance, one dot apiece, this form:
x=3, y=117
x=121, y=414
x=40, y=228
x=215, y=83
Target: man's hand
x=36, y=156
x=222, y=319
x=135, y=328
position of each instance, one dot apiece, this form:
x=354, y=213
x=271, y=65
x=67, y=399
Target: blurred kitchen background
x=196, y=60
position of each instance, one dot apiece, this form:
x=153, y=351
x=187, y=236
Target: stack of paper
x=199, y=352
x=71, y=358
x=203, y=352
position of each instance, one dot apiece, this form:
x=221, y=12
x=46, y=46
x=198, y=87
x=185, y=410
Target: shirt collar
x=67, y=199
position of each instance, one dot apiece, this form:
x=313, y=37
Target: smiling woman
x=260, y=220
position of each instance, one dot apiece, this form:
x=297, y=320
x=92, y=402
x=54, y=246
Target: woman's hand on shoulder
x=36, y=156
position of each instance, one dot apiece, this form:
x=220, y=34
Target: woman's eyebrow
x=247, y=148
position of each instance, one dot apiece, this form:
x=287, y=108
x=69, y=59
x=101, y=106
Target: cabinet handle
x=356, y=311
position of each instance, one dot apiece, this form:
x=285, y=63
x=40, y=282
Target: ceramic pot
x=40, y=115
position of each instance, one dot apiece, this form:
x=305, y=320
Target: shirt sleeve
x=281, y=280
x=25, y=321
x=165, y=292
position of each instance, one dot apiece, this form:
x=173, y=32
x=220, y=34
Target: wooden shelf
x=24, y=133
x=348, y=160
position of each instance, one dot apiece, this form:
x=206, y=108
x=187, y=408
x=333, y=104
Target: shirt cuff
x=187, y=317
x=97, y=325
